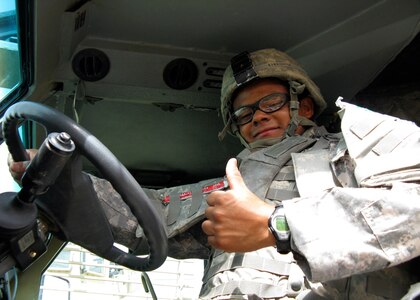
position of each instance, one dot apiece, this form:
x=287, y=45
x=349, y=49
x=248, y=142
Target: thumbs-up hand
x=237, y=220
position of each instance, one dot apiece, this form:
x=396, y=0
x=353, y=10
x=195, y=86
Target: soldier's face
x=266, y=125
x=263, y=125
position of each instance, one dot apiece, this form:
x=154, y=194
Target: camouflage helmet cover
x=268, y=63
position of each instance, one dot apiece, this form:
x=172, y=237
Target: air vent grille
x=91, y=64
x=180, y=74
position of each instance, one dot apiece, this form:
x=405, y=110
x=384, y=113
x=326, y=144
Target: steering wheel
x=77, y=211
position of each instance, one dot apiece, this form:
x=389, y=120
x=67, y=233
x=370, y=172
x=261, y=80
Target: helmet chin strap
x=229, y=125
x=296, y=89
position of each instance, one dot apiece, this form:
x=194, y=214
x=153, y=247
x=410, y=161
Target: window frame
x=25, y=32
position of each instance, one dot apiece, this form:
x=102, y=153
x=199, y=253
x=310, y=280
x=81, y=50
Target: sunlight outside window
x=10, y=75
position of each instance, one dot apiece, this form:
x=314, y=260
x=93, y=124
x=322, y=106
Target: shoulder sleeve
x=349, y=231
x=181, y=209
x=346, y=231
x=385, y=149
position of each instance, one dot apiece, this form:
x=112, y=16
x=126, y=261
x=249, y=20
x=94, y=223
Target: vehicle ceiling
x=168, y=136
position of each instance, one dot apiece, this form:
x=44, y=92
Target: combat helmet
x=266, y=63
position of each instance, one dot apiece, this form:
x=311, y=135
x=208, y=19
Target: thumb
x=233, y=175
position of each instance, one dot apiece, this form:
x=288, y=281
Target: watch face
x=280, y=230
x=281, y=224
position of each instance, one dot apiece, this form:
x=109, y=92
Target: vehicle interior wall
x=396, y=90
x=166, y=135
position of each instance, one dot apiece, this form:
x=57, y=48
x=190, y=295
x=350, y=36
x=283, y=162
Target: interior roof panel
x=329, y=38
x=222, y=25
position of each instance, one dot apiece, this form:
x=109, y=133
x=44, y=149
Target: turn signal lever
x=18, y=212
x=46, y=166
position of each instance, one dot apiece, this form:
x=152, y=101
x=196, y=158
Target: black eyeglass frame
x=256, y=106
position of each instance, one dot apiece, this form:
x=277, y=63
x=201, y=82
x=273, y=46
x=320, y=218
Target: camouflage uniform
x=351, y=202
x=337, y=230
x=341, y=235
x=181, y=207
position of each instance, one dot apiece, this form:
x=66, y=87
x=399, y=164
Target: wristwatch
x=278, y=226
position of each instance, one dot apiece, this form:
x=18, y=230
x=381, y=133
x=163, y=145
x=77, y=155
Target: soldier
x=308, y=214
x=349, y=206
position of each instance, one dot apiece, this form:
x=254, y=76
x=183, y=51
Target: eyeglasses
x=268, y=104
